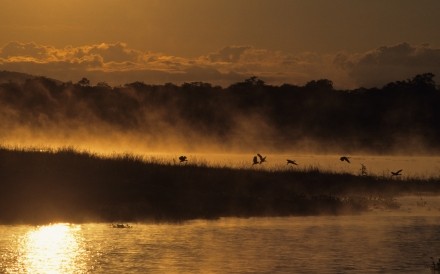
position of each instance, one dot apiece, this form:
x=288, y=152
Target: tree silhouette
x=254, y=81
x=319, y=85
x=103, y=85
x=419, y=83
x=84, y=82
x=424, y=82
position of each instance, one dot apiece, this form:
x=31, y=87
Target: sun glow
x=51, y=249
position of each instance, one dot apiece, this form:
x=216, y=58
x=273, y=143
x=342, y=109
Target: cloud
x=117, y=63
x=230, y=54
x=276, y=67
x=389, y=63
x=109, y=62
x=118, y=52
x=24, y=50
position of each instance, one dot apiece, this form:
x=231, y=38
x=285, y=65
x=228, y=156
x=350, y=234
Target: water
x=385, y=242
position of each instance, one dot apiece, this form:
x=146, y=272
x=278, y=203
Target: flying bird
x=262, y=159
x=345, y=158
x=183, y=159
x=293, y=162
x=397, y=173
x=255, y=161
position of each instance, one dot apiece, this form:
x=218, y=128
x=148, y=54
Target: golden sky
x=221, y=41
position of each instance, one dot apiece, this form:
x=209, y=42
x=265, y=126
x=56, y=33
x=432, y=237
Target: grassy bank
x=65, y=185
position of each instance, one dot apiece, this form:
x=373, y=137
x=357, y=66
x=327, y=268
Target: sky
x=351, y=42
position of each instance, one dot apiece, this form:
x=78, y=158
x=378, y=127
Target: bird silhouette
x=255, y=160
x=293, y=162
x=397, y=173
x=345, y=158
x=262, y=159
x=363, y=170
x=183, y=159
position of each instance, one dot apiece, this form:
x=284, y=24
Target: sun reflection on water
x=53, y=248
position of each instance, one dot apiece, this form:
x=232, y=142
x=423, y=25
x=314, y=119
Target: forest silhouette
x=402, y=116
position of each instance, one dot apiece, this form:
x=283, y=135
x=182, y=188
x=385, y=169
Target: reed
x=47, y=185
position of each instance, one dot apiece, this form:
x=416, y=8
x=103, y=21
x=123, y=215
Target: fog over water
x=247, y=136
x=314, y=125
x=246, y=117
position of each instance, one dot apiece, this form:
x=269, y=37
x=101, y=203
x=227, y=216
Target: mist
x=246, y=117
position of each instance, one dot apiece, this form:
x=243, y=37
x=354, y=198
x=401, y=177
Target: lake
x=400, y=241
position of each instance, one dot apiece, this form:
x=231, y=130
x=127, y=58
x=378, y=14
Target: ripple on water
x=356, y=244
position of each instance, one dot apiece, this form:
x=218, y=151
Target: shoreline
x=66, y=185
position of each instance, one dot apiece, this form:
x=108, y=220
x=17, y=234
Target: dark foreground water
x=381, y=242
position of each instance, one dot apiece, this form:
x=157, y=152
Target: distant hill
x=11, y=76
x=19, y=77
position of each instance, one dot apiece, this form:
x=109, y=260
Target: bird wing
x=397, y=172
x=259, y=155
x=255, y=160
x=344, y=158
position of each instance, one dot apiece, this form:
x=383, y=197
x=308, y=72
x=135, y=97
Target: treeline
x=400, y=114
x=64, y=185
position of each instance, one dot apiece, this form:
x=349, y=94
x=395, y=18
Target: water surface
x=380, y=242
